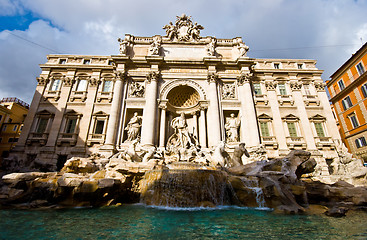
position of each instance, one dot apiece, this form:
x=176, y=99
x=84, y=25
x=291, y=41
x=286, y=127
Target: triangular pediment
x=44, y=112
x=100, y=113
x=291, y=116
x=264, y=116
x=317, y=117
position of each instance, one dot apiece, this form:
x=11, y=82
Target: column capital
x=163, y=104
x=245, y=77
x=212, y=77
x=320, y=86
x=270, y=85
x=94, y=81
x=68, y=81
x=153, y=76
x=120, y=75
x=295, y=85
x=42, y=81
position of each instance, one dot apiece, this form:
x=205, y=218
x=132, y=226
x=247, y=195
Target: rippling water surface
x=140, y=222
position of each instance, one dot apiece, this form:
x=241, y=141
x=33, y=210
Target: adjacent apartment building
x=348, y=92
x=12, y=114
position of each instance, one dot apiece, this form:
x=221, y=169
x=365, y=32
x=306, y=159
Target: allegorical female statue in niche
x=133, y=127
x=231, y=127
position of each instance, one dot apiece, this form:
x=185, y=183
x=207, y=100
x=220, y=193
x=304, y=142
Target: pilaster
x=249, y=126
x=40, y=89
x=111, y=132
x=67, y=82
x=301, y=109
x=214, y=120
x=148, y=128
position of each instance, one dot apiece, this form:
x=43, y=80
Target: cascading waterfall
x=185, y=188
x=253, y=185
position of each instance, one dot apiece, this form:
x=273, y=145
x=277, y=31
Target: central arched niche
x=183, y=97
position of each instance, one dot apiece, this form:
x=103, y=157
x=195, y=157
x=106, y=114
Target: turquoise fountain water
x=141, y=222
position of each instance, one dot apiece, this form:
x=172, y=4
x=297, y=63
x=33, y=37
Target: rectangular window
x=62, y=61
x=4, y=128
x=1, y=117
x=70, y=125
x=306, y=87
x=300, y=66
x=319, y=129
x=282, y=90
x=364, y=91
x=353, y=120
x=16, y=139
x=10, y=120
x=55, y=85
x=107, y=86
x=347, y=103
x=292, y=129
x=15, y=128
x=264, y=129
x=257, y=88
x=360, y=68
x=276, y=65
x=1, y=139
x=42, y=124
x=341, y=84
x=82, y=86
x=99, y=127
x=10, y=140
x=360, y=142
x=86, y=61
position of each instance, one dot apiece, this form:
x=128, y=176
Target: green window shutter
x=292, y=129
x=319, y=130
x=264, y=129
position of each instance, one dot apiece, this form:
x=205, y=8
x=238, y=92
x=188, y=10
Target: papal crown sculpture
x=178, y=96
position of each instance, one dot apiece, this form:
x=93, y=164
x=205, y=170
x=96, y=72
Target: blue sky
x=329, y=31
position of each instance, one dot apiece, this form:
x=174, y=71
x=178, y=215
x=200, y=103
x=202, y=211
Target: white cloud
x=10, y=7
x=92, y=27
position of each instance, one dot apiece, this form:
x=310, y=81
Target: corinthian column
x=149, y=115
x=214, y=134
x=249, y=127
x=114, y=113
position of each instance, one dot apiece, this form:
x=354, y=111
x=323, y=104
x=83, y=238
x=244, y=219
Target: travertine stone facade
x=85, y=104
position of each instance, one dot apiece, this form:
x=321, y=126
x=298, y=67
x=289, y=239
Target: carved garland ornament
x=228, y=91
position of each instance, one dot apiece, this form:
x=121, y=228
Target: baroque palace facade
x=88, y=104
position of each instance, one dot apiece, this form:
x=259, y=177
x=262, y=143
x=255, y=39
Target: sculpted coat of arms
x=183, y=30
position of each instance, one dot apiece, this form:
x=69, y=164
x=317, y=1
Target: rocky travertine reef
x=96, y=181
